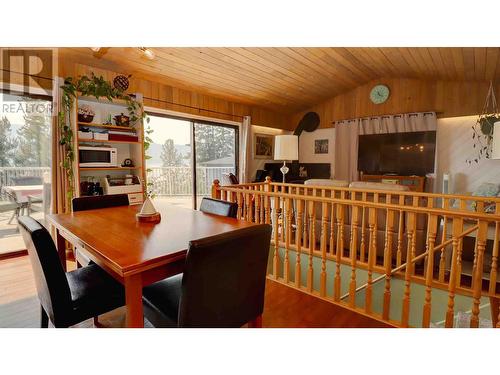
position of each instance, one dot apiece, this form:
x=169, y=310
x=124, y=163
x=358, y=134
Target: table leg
x=61, y=248
x=133, y=301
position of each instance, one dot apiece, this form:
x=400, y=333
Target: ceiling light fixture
x=95, y=49
x=148, y=53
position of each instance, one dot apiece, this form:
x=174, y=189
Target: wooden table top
x=115, y=236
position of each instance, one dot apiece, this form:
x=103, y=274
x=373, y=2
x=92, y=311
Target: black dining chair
x=218, y=207
x=93, y=203
x=66, y=298
x=222, y=285
x=99, y=201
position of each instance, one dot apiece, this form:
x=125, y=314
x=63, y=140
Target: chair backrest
x=99, y=201
x=50, y=279
x=224, y=278
x=27, y=180
x=218, y=207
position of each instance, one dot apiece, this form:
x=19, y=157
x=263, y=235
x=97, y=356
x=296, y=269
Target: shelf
x=99, y=141
x=118, y=102
x=114, y=127
x=108, y=168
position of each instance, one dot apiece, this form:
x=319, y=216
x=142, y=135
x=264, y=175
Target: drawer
x=135, y=198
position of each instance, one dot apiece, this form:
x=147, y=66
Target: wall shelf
x=103, y=141
x=114, y=127
x=82, y=169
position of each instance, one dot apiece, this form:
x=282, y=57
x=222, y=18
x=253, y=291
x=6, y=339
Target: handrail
x=322, y=224
x=417, y=258
x=390, y=206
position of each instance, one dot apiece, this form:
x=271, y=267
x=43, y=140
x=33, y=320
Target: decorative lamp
x=286, y=147
x=495, y=148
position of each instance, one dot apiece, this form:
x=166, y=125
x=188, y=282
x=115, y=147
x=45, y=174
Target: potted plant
x=85, y=114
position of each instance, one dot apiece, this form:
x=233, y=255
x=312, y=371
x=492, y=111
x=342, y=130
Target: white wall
x=259, y=163
x=306, y=147
x=454, y=146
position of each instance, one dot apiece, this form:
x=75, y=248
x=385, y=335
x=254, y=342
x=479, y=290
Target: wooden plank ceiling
x=288, y=80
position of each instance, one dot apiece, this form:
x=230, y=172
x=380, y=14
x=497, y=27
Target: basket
x=85, y=118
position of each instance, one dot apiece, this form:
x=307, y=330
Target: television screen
x=405, y=154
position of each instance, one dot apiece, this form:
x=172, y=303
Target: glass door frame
x=192, y=122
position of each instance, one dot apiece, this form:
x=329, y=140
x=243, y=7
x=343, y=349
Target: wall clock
x=379, y=94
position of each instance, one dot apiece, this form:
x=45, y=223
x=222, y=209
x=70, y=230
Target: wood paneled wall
x=173, y=98
x=447, y=98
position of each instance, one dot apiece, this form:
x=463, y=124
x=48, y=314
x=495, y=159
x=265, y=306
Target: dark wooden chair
x=66, y=298
x=93, y=203
x=222, y=285
x=218, y=207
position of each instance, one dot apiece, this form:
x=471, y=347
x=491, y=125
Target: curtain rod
x=192, y=107
x=27, y=74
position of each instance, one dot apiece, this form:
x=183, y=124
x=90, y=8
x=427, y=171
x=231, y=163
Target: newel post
x=216, y=189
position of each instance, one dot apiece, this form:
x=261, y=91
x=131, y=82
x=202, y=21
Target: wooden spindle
x=432, y=221
x=257, y=207
x=311, y=248
x=362, y=246
x=389, y=236
x=298, y=243
x=458, y=279
x=312, y=224
x=239, y=199
x=453, y=274
x=405, y=314
x=353, y=247
x=494, y=255
x=276, y=258
x=248, y=207
x=305, y=234
x=267, y=203
x=332, y=230
x=216, y=189
x=481, y=237
x=339, y=249
x=442, y=258
x=372, y=251
x=399, y=250
x=262, y=208
x=288, y=229
x=324, y=228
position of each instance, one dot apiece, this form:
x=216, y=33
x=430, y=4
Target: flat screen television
x=404, y=154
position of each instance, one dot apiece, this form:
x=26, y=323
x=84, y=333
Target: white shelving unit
x=125, y=149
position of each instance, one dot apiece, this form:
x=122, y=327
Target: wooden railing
x=435, y=242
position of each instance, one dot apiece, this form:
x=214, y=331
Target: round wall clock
x=379, y=94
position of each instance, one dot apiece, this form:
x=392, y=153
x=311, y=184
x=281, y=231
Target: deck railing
x=439, y=244
x=178, y=181
x=7, y=174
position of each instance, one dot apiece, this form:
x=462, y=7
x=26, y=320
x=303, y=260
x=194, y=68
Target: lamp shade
x=286, y=147
x=495, y=148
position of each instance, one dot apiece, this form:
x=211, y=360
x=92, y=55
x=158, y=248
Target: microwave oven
x=97, y=156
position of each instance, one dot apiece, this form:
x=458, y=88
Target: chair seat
x=161, y=300
x=93, y=292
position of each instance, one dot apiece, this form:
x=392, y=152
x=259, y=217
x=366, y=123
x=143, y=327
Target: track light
x=148, y=53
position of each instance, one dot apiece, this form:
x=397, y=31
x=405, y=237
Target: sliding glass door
x=25, y=160
x=185, y=156
x=216, y=154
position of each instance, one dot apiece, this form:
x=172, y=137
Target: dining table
x=137, y=253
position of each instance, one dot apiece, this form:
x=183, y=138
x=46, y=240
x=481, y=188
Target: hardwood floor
x=284, y=307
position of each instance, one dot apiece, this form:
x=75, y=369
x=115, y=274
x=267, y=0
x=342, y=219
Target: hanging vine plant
x=94, y=86
x=482, y=130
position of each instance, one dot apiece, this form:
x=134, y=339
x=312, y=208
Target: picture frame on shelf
x=263, y=146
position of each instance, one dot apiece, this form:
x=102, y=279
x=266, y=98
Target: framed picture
x=321, y=146
x=263, y=146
